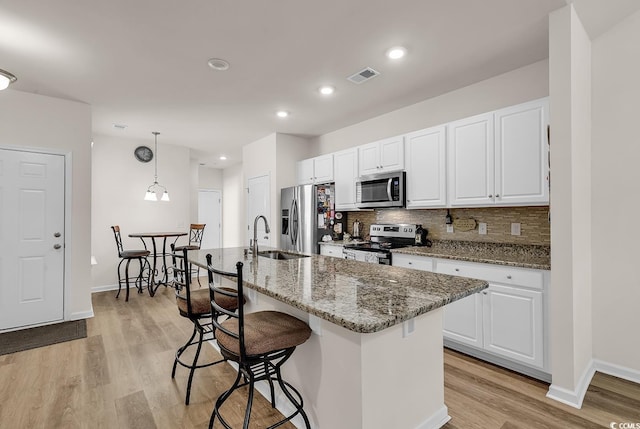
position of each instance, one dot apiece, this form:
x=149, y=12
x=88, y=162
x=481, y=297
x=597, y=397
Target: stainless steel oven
x=381, y=190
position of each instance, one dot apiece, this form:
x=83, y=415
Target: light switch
x=482, y=228
x=449, y=228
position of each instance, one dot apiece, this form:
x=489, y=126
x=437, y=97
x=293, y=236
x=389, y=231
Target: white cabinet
x=513, y=325
x=521, y=154
x=315, y=170
x=334, y=250
x=500, y=158
x=411, y=261
x=507, y=319
x=381, y=156
x=470, y=161
x=346, y=171
x=425, y=164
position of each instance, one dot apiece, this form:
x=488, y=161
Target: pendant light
x=5, y=79
x=152, y=194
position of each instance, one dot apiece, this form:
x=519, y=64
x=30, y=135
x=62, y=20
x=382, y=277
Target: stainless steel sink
x=279, y=254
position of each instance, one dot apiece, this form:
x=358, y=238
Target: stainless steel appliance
x=307, y=215
x=383, y=238
x=381, y=190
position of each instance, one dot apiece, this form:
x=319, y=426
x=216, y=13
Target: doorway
x=210, y=213
x=32, y=220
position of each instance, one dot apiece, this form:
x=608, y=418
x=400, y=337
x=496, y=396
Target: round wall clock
x=143, y=154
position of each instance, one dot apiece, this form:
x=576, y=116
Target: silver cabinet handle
x=410, y=263
x=57, y=235
x=509, y=277
x=490, y=196
x=484, y=293
x=497, y=195
x=57, y=246
x=457, y=269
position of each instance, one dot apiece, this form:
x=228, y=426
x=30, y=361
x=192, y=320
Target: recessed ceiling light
x=326, y=90
x=218, y=64
x=223, y=158
x=282, y=113
x=396, y=53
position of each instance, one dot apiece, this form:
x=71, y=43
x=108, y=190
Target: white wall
x=35, y=121
x=119, y=185
x=523, y=84
x=570, y=119
x=234, y=212
x=210, y=178
x=616, y=176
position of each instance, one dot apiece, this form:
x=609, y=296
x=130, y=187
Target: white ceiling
x=143, y=63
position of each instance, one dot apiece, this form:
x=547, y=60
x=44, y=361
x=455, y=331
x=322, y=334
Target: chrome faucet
x=254, y=248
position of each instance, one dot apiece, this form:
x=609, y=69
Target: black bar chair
x=130, y=255
x=260, y=343
x=194, y=304
x=196, y=232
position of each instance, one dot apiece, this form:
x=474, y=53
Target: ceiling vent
x=363, y=75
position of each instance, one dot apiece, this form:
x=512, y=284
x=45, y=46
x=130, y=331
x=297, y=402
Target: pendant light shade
x=155, y=187
x=5, y=79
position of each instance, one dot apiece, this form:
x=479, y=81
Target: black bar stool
x=194, y=304
x=260, y=343
x=129, y=255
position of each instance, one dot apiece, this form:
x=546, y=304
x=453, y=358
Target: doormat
x=41, y=336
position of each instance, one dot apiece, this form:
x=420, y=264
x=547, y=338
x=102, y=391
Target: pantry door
x=32, y=236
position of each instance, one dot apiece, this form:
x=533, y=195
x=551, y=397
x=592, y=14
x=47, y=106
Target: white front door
x=209, y=213
x=32, y=237
x=259, y=203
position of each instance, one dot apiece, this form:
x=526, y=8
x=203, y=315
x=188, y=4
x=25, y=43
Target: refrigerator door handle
x=294, y=223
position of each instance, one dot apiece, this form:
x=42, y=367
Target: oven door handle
x=389, y=189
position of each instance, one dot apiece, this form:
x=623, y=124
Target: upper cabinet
x=500, y=158
x=315, y=170
x=346, y=171
x=382, y=156
x=425, y=164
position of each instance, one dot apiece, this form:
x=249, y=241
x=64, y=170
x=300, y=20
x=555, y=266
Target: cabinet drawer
x=328, y=250
x=411, y=261
x=500, y=274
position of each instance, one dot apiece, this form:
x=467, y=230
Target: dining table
x=159, y=275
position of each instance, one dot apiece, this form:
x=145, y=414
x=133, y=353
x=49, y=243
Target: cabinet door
x=323, y=169
x=470, y=149
x=425, y=165
x=346, y=172
x=392, y=154
x=521, y=151
x=513, y=325
x=369, y=157
x=305, y=171
x=463, y=320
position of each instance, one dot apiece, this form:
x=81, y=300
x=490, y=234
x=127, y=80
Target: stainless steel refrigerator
x=307, y=215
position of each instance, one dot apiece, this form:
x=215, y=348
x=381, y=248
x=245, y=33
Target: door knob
x=57, y=246
x=57, y=235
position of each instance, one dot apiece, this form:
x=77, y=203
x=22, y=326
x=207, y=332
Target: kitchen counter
x=374, y=360
x=514, y=255
x=360, y=297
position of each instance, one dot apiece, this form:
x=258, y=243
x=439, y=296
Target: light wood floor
x=119, y=377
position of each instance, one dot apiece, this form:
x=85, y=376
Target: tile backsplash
x=535, y=228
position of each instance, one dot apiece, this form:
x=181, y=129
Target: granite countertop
x=513, y=255
x=358, y=296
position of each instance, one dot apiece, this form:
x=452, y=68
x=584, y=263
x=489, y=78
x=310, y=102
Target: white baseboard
x=617, y=371
x=437, y=420
x=574, y=397
x=104, y=288
x=82, y=314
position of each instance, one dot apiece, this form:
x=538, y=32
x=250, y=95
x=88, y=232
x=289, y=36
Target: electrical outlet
x=449, y=228
x=482, y=228
x=515, y=229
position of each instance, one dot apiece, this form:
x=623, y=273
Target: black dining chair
x=128, y=256
x=260, y=343
x=196, y=233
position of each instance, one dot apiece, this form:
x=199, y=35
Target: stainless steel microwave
x=381, y=190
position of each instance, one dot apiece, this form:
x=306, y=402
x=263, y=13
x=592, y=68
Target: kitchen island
x=375, y=359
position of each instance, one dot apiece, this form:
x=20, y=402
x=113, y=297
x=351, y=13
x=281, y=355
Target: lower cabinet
x=334, y=250
x=506, y=320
